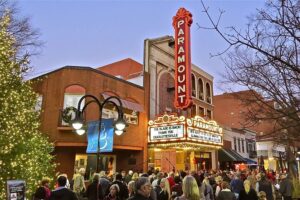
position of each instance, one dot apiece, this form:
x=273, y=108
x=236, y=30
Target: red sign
x=181, y=23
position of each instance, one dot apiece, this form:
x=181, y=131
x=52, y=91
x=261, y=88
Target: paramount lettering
x=181, y=23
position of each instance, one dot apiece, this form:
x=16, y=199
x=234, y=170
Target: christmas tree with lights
x=25, y=154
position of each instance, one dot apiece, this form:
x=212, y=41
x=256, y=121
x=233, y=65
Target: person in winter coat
x=207, y=189
x=286, y=187
x=218, y=180
x=143, y=189
x=226, y=193
x=123, y=190
x=131, y=188
x=43, y=192
x=165, y=193
x=78, y=182
x=94, y=190
x=236, y=184
x=248, y=193
x=61, y=192
x=266, y=186
x=113, y=193
x=177, y=188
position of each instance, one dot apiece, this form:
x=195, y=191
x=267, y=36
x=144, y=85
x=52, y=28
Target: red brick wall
x=52, y=88
x=230, y=111
x=166, y=98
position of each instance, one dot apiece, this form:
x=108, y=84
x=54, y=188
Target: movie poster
x=16, y=190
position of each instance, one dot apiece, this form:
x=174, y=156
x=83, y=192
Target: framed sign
x=16, y=190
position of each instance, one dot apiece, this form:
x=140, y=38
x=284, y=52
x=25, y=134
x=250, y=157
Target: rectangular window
x=193, y=111
x=247, y=146
x=239, y=144
x=234, y=142
x=201, y=112
x=209, y=114
x=243, y=147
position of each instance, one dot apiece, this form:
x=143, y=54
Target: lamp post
x=119, y=124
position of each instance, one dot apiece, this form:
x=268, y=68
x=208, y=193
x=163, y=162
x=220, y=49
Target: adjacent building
x=64, y=87
x=231, y=112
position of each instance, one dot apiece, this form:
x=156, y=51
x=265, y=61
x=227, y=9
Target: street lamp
x=119, y=124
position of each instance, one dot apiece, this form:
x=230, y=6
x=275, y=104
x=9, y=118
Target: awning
x=249, y=161
x=229, y=155
x=126, y=104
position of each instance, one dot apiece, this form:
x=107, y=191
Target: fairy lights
x=24, y=151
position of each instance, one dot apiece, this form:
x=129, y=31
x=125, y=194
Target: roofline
x=194, y=67
x=90, y=69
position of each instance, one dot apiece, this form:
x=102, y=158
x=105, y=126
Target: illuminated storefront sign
x=181, y=23
x=166, y=132
x=172, y=128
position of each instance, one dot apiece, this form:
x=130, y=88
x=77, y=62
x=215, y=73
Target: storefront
x=271, y=156
x=179, y=143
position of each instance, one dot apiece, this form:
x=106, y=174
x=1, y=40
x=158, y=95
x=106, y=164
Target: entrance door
x=168, y=161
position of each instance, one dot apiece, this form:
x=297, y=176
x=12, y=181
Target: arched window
x=200, y=89
x=193, y=86
x=72, y=95
x=208, y=93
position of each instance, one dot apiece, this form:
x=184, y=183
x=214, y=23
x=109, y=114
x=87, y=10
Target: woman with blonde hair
x=131, y=188
x=113, y=193
x=165, y=193
x=190, y=189
x=248, y=193
x=218, y=180
x=135, y=176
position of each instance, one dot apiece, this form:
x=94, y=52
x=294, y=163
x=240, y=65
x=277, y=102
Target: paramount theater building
x=181, y=132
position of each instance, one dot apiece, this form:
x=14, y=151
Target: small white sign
x=199, y=134
x=166, y=132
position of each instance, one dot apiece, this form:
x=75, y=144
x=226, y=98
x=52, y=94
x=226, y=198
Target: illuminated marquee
x=181, y=23
x=166, y=132
x=166, y=128
x=169, y=128
x=204, y=131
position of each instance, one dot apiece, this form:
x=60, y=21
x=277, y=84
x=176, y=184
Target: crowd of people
x=156, y=185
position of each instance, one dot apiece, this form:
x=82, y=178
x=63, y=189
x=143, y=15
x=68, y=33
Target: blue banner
x=106, y=136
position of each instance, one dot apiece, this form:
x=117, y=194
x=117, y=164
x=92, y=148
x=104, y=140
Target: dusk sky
x=97, y=32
